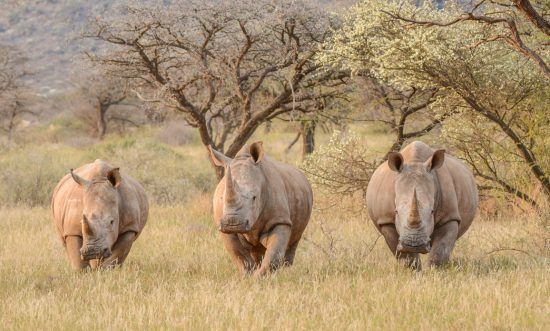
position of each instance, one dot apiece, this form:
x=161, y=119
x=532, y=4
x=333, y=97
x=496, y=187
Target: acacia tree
x=408, y=111
x=103, y=92
x=511, y=18
x=331, y=110
x=227, y=67
x=472, y=73
x=13, y=90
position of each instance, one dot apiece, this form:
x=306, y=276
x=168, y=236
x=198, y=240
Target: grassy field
x=178, y=276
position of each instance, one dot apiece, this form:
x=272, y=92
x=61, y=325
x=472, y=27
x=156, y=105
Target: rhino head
x=415, y=201
x=244, y=182
x=100, y=218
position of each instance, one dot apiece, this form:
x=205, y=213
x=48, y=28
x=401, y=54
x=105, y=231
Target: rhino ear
x=436, y=160
x=218, y=158
x=79, y=180
x=257, y=151
x=114, y=177
x=395, y=161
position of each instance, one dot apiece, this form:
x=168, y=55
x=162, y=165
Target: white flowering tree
x=473, y=75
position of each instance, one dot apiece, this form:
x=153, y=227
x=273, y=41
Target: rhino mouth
x=88, y=255
x=234, y=225
x=407, y=248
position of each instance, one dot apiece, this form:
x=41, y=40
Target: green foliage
x=472, y=72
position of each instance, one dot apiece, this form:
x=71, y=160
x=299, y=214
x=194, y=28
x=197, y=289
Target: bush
x=177, y=133
x=30, y=173
x=343, y=166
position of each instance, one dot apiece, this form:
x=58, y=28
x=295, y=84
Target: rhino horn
x=87, y=229
x=230, y=194
x=414, y=214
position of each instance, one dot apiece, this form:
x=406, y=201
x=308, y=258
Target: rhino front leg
x=72, y=246
x=276, y=243
x=120, y=250
x=443, y=242
x=391, y=236
x=240, y=256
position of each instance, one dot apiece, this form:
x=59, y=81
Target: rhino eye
x=396, y=211
x=112, y=222
x=254, y=198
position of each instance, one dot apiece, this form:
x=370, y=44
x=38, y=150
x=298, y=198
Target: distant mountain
x=47, y=32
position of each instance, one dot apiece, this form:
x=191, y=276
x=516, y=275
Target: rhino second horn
x=414, y=214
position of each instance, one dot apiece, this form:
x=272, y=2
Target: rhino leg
x=72, y=246
x=240, y=256
x=257, y=255
x=391, y=236
x=120, y=250
x=443, y=242
x=94, y=263
x=276, y=244
x=290, y=252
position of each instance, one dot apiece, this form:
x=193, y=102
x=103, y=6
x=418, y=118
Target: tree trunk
x=294, y=141
x=101, y=121
x=11, y=125
x=308, y=137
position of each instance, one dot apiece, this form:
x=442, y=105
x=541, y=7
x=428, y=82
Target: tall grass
x=179, y=276
x=31, y=172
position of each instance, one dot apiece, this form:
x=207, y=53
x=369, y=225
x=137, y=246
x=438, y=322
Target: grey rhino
x=261, y=207
x=422, y=201
x=98, y=213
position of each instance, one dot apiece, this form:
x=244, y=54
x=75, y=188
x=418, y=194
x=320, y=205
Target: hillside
x=47, y=32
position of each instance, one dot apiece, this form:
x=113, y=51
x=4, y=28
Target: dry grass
x=178, y=276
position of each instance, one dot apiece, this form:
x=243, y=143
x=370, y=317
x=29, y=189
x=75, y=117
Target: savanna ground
x=178, y=275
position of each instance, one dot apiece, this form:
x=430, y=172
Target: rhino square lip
x=422, y=249
x=233, y=227
x=237, y=228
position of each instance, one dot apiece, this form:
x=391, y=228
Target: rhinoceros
x=261, y=207
x=98, y=213
x=422, y=201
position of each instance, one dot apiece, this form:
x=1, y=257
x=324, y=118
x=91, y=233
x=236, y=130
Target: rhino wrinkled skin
x=261, y=208
x=422, y=201
x=98, y=213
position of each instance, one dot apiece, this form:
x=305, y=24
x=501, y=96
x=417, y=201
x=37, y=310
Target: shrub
x=342, y=166
x=30, y=173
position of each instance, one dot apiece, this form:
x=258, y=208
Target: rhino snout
x=87, y=254
x=408, y=247
x=414, y=243
x=232, y=224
